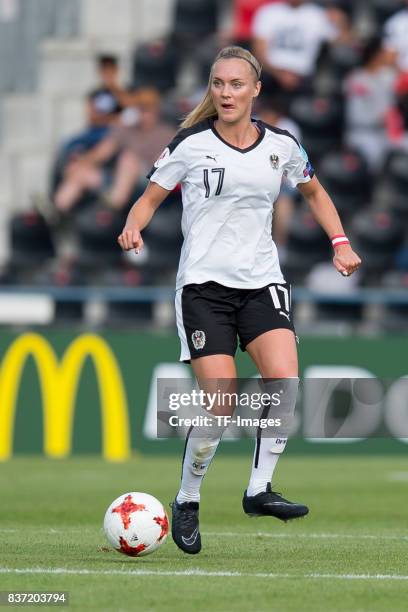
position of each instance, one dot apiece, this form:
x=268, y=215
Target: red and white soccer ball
x=136, y=524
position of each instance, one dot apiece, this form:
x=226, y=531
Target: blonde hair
x=206, y=108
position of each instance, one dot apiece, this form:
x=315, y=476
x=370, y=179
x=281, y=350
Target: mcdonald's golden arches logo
x=59, y=384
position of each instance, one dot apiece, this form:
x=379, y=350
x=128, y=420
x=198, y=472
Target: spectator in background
x=396, y=38
x=103, y=107
x=397, y=120
x=287, y=39
x=134, y=144
x=109, y=77
x=274, y=112
x=340, y=15
x=192, y=20
x=243, y=12
x=368, y=99
x=102, y=111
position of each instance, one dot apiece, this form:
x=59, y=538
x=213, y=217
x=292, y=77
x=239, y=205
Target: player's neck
x=242, y=134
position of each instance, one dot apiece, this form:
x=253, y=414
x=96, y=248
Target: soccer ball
x=136, y=524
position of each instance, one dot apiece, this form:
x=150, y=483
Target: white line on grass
x=195, y=572
x=398, y=476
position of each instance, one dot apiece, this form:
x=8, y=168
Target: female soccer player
x=229, y=281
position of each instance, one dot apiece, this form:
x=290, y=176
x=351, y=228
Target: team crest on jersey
x=274, y=159
x=163, y=155
x=198, y=338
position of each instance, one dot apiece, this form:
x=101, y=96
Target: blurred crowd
x=335, y=74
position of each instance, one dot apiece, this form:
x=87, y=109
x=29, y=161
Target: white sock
x=263, y=466
x=268, y=450
x=198, y=454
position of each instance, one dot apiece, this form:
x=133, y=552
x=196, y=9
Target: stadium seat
x=194, y=18
x=338, y=60
x=31, y=249
x=31, y=241
x=377, y=235
x=204, y=57
x=163, y=237
x=155, y=64
x=345, y=176
x=307, y=245
x=173, y=107
x=397, y=179
x=320, y=120
x=345, y=5
x=383, y=9
x=97, y=229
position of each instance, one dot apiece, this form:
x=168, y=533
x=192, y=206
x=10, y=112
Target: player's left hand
x=345, y=260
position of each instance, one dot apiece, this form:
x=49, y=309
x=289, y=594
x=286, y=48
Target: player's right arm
x=169, y=170
x=140, y=215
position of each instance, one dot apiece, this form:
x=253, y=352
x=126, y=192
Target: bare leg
x=127, y=172
x=79, y=178
x=275, y=354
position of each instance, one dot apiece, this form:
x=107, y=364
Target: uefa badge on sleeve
x=198, y=339
x=161, y=157
x=308, y=171
x=274, y=159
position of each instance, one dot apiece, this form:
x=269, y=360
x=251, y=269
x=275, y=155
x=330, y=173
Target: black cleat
x=185, y=526
x=271, y=503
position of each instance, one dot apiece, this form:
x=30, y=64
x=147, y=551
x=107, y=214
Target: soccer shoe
x=185, y=526
x=271, y=503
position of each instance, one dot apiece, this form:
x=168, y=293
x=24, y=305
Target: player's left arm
x=345, y=260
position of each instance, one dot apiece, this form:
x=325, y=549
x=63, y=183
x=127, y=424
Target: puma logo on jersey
x=211, y=157
x=284, y=314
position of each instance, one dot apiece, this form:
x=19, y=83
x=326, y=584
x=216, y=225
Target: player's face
x=233, y=87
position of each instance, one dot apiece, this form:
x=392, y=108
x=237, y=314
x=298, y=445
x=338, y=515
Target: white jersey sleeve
x=171, y=166
x=298, y=168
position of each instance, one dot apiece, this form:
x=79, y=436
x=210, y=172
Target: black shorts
x=210, y=316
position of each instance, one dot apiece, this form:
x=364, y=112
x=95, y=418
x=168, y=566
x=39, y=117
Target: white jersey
x=396, y=37
x=228, y=195
x=294, y=35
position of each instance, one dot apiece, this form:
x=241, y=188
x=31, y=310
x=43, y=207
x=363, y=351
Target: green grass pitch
x=349, y=554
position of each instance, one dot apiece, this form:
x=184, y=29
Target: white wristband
x=339, y=239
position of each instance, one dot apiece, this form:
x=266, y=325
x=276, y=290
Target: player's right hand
x=130, y=239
